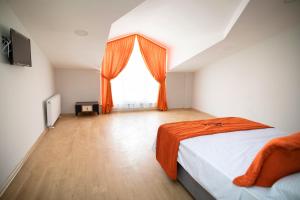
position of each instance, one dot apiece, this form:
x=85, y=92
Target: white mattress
x=215, y=160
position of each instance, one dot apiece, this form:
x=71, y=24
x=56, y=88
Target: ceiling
x=52, y=24
x=260, y=20
x=195, y=32
x=185, y=27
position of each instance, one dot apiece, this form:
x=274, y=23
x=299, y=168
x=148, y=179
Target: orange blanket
x=278, y=158
x=170, y=135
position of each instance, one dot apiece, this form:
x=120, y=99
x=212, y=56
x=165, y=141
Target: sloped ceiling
x=186, y=27
x=52, y=24
x=260, y=20
x=196, y=32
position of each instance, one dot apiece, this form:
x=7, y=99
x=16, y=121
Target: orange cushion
x=278, y=158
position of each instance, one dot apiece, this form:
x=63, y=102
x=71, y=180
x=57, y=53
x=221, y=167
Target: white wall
x=76, y=85
x=83, y=85
x=179, y=89
x=23, y=91
x=261, y=83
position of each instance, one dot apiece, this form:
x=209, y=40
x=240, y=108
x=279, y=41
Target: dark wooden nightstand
x=89, y=106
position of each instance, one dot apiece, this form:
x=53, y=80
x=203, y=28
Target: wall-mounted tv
x=20, y=53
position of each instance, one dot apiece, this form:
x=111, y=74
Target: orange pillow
x=278, y=158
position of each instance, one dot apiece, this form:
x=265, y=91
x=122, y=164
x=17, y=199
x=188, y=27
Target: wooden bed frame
x=194, y=188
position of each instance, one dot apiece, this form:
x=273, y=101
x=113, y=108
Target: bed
x=208, y=164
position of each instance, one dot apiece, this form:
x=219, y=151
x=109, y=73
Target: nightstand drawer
x=86, y=108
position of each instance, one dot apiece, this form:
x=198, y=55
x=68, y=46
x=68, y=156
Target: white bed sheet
x=215, y=160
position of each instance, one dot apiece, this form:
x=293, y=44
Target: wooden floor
x=100, y=157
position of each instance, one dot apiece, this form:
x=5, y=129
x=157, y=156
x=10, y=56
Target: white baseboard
x=13, y=174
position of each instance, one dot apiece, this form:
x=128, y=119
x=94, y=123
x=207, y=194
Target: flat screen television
x=20, y=53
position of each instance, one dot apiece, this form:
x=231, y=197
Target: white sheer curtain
x=134, y=87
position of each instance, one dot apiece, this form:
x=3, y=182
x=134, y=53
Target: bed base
x=194, y=188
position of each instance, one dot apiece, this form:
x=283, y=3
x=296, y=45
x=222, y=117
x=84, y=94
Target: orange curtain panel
x=155, y=59
x=116, y=56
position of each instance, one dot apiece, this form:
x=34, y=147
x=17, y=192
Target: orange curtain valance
x=116, y=56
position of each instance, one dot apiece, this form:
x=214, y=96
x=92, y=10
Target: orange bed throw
x=278, y=158
x=169, y=136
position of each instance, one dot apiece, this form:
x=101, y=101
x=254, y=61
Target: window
x=134, y=87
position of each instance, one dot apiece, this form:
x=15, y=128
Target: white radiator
x=53, y=109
